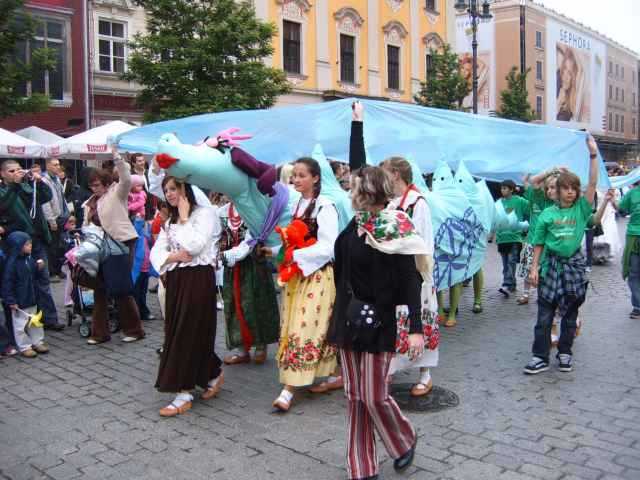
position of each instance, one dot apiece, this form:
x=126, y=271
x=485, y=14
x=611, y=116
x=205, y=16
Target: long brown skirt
x=188, y=358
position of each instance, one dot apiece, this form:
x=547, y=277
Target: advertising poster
x=486, y=62
x=575, y=78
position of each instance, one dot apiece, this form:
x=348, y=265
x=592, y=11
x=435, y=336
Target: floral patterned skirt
x=304, y=353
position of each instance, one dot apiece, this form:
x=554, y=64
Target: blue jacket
x=20, y=274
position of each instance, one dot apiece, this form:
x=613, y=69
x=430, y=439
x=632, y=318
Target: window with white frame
x=395, y=34
x=538, y=39
x=633, y=100
x=622, y=95
x=112, y=39
x=50, y=34
x=539, y=71
x=617, y=94
x=428, y=65
x=291, y=47
x=347, y=58
x=393, y=67
x=610, y=92
x=348, y=25
x=431, y=5
x=539, y=107
x=617, y=123
x=621, y=123
x=622, y=72
x=610, y=121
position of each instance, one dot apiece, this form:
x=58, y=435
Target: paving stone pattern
x=92, y=412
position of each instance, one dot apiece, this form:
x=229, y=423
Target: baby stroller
x=83, y=305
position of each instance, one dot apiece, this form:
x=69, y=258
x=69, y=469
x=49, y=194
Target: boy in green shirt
x=630, y=204
x=561, y=281
x=540, y=192
x=510, y=241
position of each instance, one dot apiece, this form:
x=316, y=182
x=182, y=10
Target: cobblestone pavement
x=92, y=412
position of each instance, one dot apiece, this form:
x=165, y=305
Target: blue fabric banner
x=491, y=148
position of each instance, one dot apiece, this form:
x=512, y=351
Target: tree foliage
x=515, y=98
x=204, y=56
x=18, y=27
x=445, y=87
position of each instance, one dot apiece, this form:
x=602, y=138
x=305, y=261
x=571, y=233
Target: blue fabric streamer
x=492, y=148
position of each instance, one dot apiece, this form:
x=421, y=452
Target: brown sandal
x=325, y=387
x=420, y=389
x=235, y=358
x=214, y=389
x=260, y=356
x=173, y=410
x=450, y=323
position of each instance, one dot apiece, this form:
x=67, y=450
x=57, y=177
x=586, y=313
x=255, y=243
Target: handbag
x=115, y=269
x=362, y=320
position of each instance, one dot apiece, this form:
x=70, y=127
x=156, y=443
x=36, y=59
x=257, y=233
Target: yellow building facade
x=340, y=48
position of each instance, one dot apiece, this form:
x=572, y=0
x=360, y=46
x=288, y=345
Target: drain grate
x=439, y=398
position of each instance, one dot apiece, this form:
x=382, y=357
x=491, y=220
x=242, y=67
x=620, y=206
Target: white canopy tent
x=92, y=144
x=39, y=135
x=16, y=146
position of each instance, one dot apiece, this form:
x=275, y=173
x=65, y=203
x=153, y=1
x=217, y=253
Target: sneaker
x=564, y=362
x=588, y=269
x=634, y=313
x=29, y=353
x=536, y=365
x=9, y=352
x=41, y=348
x=219, y=306
x=504, y=292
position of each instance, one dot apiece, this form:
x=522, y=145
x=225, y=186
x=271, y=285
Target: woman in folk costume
x=250, y=304
x=411, y=201
x=184, y=254
x=307, y=299
x=379, y=259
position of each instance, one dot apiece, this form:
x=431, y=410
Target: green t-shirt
x=630, y=203
x=520, y=207
x=561, y=230
x=538, y=201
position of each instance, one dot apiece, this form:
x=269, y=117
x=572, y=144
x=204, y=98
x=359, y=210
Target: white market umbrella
x=39, y=135
x=90, y=144
x=16, y=146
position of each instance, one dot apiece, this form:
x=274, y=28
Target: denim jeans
x=588, y=238
x=43, y=288
x=634, y=280
x=140, y=294
x=510, y=261
x=542, y=330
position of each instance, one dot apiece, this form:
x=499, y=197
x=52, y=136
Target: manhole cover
x=439, y=398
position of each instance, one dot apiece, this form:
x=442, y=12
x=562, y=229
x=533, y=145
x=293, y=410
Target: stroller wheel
x=84, y=329
x=114, y=323
x=69, y=318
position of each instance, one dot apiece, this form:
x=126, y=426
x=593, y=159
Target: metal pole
x=473, y=11
x=523, y=37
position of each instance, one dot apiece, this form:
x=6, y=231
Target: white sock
x=425, y=376
x=181, y=399
x=286, y=395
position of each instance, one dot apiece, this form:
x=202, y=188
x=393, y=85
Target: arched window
x=348, y=25
x=394, y=39
x=293, y=30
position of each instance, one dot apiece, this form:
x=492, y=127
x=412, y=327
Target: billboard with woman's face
x=576, y=80
x=486, y=62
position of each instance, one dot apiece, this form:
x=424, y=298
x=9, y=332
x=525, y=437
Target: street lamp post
x=476, y=13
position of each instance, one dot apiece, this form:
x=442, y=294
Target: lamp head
x=461, y=5
x=486, y=14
